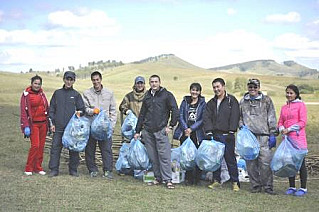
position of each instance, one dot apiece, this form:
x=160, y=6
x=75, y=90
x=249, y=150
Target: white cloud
x=231, y=11
x=291, y=17
x=291, y=41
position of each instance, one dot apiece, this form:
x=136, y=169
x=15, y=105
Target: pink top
x=293, y=116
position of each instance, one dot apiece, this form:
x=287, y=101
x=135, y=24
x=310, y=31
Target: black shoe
x=256, y=189
x=53, y=174
x=74, y=174
x=270, y=191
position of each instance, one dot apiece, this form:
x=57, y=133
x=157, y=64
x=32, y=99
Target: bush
x=306, y=89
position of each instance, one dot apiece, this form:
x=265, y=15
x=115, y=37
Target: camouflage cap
x=254, y=82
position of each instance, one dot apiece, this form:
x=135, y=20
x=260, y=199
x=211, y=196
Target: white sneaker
x=42, y=173
x=28, y=173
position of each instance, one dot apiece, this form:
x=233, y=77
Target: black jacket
x=156, y=111
x=63, y=104
x=226, y=119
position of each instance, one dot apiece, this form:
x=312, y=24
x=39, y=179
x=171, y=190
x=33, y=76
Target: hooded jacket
x=38, y=112
x=156, y=111
x=133, y=101
x=293, y=116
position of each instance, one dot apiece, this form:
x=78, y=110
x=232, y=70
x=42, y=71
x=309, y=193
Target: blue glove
x=272, y=141
x=27, y=132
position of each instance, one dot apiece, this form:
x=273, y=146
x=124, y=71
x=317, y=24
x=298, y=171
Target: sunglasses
x=251, y=87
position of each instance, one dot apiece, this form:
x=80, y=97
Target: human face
x=195, y=93
x=68, y=83
x=219, y=89
x=155, y=83
x=97, y=82
x=36, y=85
x=290, y=95
x=253, y=89
x=139, y=86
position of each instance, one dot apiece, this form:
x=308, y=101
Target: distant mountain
x=270, y=67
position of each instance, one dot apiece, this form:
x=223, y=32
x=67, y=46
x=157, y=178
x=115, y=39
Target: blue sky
x=45, y=35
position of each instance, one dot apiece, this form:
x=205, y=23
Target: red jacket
x=33, y=107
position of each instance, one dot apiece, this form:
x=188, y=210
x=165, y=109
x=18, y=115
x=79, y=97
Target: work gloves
x=96, y=111
x=272, y=141
x=27, y=132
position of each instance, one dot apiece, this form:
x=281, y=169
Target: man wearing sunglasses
x=257, y=112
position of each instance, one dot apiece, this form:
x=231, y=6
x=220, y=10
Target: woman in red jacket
x=34, y=123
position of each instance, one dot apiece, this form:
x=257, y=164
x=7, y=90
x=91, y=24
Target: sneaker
x=270, y=191
x=42, y=173
x=256, y=189
x=93, y=174
x=214, y=185
x=301, y=192
x=53, y=174
x=28, y=173
x=108, y=175
x=291, y=191
x=74, y=174
x=235, y=187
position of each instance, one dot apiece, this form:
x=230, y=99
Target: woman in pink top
x=292, y=122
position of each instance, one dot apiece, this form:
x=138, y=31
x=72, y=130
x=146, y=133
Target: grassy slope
x=38, y=193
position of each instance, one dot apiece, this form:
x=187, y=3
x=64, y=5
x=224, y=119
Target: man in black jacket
x=64, y=103
x=158, y=106
x=221, y=118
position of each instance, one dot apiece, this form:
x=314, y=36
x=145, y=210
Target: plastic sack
x=188, y=155
x=128, y=126
x=175, y=159
x=287, y=159
x=122, y=164
x=247, y=144
x=76, y=133
x=101, y=128
x=137, y=156
x=210, y=155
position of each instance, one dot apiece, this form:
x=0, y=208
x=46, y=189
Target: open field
x=64, y=193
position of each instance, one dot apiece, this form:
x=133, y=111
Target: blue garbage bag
x=287, y=159
x=128, y=126
x=101, y=128
x=241, y=164
x=76, y=133
x=122, y=164
x=210, y=155
x=138, y=157
x=247, y=144
x=188, y=155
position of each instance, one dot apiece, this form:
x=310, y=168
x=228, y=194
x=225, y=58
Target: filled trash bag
x=122, y=165
x=210, y=155
x=247, y=144
x=287, y=159
x=137, y=156
x=188, y=155
x=76, y=133
x=101, y=128
x=128, y=126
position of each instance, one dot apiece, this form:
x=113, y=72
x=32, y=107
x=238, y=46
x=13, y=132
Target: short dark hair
x=96, y=73
x=220, y=80
x=155, y=75
x=36, y=77
x=295, y=89
x=195, y=85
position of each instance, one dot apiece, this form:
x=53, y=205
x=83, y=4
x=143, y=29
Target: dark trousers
x=193, y=176
x=303, y=176
x=55, y=154
x=106, y=152
x=229, y=155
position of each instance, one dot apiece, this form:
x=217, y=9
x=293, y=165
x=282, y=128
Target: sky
x=51, y=34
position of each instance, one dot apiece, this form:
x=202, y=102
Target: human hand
x=168, y=129
x=271, y=141
x=188, y=132
x=53, y=128
x=27, y=132
x=209, y=136
x=128, y=112
x=137, y=136
x=78, y=113
x=96, y=110
x=285, y=131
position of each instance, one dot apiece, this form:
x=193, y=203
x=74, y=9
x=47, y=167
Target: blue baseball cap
x=139, y=79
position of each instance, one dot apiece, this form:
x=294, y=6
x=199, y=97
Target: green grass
x=64, y=193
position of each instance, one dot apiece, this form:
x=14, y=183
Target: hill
x=270, y=67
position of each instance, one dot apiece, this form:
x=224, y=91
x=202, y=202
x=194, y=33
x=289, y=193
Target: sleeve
x=207, y=117
x=302, y=116
x=199, y=121
x=141, y=118
x=234, y=117
x=112, y=111
x=272, y=120
x=182, y=120
x=124, y=106
x=87, y=105
x=23, y=113
x=174, y=110
x=52, y=108
x=80, y=104
x=281, y=121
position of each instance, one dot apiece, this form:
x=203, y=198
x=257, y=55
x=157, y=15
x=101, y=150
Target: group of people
x=158, y=114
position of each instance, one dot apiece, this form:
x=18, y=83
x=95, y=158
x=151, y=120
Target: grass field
x=64, y=193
